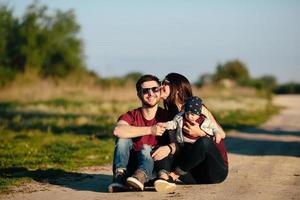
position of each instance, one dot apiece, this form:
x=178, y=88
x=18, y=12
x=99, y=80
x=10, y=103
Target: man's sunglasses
x=147, y=90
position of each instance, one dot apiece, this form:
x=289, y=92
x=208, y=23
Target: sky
x=189, y=37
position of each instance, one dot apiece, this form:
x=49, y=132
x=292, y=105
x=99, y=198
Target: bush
x=6, y=75
x=288, y=88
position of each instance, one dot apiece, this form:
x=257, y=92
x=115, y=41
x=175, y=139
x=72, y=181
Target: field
x=59, y=130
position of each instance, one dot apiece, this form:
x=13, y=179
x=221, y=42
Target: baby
x=192, y=114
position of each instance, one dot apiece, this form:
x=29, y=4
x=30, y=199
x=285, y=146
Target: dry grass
x=35, y=89
x=32, y=89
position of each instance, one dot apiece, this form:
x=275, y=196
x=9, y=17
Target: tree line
x=237, y=72
x=47, y=44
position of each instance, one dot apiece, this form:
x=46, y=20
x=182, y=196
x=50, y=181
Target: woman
x=202, y=162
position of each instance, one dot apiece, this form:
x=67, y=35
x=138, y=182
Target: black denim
x=164, y=164
x=198, y=163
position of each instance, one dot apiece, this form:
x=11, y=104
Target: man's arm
x=124, y=130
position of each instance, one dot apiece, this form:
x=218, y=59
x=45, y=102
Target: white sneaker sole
x=164, y=186
x=135, y=184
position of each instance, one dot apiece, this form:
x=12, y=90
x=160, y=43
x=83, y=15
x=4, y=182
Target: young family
x=181, y=142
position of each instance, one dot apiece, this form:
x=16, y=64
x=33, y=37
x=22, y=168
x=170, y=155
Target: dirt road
x=264, y=164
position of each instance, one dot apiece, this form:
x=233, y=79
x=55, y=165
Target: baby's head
x=193, y=108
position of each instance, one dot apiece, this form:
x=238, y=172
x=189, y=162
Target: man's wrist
x=153, y=130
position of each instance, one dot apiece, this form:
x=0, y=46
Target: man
x=136, y=133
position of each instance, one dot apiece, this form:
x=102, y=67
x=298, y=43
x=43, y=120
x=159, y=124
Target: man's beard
x=147, y=105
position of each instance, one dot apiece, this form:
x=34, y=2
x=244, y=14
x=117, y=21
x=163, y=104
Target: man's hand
x=161, y=153
x=193, y=130
x=157, y=130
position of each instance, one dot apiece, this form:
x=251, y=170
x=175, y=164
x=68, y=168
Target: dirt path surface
x=264, y=164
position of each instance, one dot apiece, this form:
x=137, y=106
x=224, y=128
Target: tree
x=32, y=35
x=65, y=54
x=7, y=48
x=288, y=88
x=6, y=26
x=133, y=76
x=204, y=79
x=38, y=41
x=234, y=70
x=269, y=82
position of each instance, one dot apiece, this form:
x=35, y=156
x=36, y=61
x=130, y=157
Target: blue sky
x=189, y=37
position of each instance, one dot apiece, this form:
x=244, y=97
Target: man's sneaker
x=118, y=184
x=162, y=185
x=137, y=180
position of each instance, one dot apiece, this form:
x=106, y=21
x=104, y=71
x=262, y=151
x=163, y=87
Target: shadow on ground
x=48, y=122
x=73, y=180
x=257, y=130
x=246, y=146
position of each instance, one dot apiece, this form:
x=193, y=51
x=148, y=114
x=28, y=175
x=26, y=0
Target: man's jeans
x=128, y=159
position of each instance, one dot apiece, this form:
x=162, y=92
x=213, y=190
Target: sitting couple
x=182, y=142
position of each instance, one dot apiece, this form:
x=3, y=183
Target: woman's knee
x=204, y=143
x=220, y=177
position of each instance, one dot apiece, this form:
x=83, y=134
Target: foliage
x=234, y=70
x=288, y=88
x=204, y=79
x=133, y=76
x=241, y=118
x=6, y=75
x=262, y=83
x=237, y=72
x=129, y=78
x=39, y=41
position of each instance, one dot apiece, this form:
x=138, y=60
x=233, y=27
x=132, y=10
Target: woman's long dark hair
x=180, y=85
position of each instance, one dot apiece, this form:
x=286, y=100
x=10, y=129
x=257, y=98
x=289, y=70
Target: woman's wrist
x=201, y=133
x=170, y=148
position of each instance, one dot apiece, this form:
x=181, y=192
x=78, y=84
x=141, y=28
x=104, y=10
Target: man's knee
x=146, y=151
x=124, y=143
x=146, y=148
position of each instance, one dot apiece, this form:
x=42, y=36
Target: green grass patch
x=44, y=150
x=40, y=150
x=236, y=119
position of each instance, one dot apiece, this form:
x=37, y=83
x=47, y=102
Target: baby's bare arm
x=170, y=125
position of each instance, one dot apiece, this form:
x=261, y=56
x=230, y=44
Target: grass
x=236, y=119
x=42, y=139
x=34, y=150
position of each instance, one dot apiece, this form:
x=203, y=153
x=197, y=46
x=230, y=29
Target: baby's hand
x=218, y=138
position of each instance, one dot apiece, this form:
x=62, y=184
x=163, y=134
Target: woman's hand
x=193, y=130
x=209, y=115
x=218, y=138
x=161, y=153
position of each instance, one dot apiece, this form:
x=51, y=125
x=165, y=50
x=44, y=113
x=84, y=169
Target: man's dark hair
x=144, y=78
